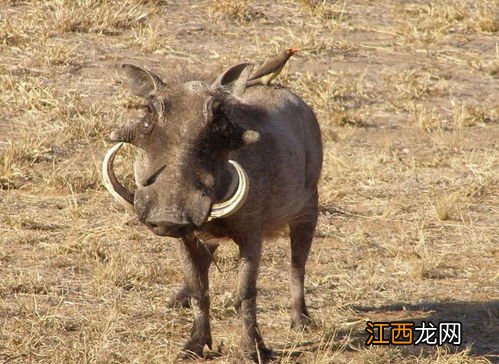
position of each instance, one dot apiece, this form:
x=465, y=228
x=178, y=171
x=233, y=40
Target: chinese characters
x=408, y=333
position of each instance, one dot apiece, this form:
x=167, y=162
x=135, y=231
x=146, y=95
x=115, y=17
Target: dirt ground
x=407, y=95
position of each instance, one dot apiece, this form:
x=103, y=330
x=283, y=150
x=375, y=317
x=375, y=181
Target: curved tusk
x=109, y=180
x=233, y=204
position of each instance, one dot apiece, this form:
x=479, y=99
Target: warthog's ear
x=143, y=83
x=234, y=79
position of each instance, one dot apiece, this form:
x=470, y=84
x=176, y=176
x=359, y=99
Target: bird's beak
x=293, y=50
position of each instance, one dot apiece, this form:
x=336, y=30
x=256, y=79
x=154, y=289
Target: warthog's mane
x=182, y=75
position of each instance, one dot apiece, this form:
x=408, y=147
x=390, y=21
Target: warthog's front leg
x=249, y=252
x=182, y=298
x=195, y=262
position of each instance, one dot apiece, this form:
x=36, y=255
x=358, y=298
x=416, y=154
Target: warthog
x=219, y=159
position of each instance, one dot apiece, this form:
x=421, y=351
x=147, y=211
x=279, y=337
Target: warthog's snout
x=170, y=221
x=169, y=228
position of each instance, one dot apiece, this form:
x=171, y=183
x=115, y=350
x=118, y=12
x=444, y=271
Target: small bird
x=271, y=68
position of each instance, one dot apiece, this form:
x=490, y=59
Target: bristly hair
x=183, y=75
x=234, y=109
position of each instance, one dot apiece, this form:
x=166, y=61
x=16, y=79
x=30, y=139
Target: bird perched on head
x=271, y=68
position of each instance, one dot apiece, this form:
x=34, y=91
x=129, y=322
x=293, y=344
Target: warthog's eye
x=146, y=110
x=204, y=182
x=199, y=185
x=148, y=120
x=205, y=190
x=147, y=126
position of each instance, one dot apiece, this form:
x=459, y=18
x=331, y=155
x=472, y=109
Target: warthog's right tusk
x=115, y=188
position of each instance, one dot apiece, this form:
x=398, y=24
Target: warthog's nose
x=169, y=228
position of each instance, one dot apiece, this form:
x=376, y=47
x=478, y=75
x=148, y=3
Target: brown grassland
x=407, y=95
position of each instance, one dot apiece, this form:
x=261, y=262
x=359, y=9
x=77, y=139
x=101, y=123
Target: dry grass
x=406, y=94
x=236, y=11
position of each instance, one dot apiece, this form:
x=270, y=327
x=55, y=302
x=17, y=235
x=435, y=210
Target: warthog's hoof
x=180, y=299
x=193, y=349
x=254, y=348
x=189, y=355
x=300, y=322
x=261, y=356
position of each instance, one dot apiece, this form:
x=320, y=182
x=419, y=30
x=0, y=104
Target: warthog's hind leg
x=301, y=234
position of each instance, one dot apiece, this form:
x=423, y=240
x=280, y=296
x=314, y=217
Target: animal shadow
x=479, y=330
x=479, y=321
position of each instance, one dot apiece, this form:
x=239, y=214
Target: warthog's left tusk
x=234, y=203
x=115, y=188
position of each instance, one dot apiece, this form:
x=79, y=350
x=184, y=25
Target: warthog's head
x=183, y=175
